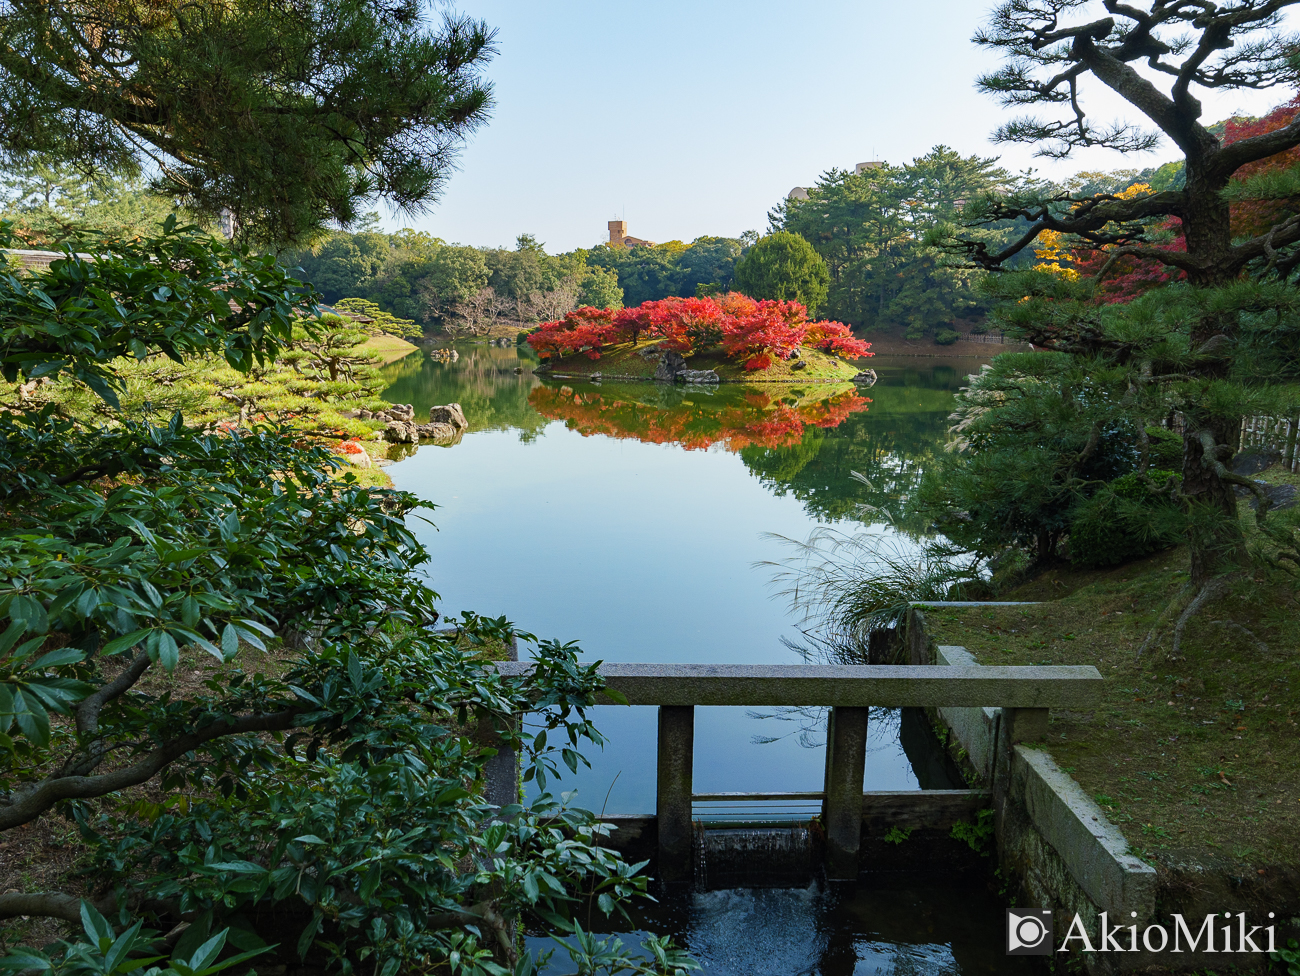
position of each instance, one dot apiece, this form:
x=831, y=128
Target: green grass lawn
x=390, y=347
x=1195, y=759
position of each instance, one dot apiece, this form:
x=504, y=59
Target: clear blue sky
x=696, y=116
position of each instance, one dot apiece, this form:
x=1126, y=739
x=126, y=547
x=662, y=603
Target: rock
x=794, y=354
x=436, y=432
x=865, y=378
x=449, y=413
x=401, y=432
x=670, y=365
x=366, y=414
x=798, y=364
x=648, y=352
x=698, y=376
x=595, y=377
x=1253, y=462
x=358, y=460
x=519, y=369
x=1279, y=496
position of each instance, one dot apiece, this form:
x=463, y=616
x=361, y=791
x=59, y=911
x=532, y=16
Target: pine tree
x=1216, y=348
x=280, y=115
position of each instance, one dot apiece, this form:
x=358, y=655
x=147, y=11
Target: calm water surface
x=635, y=519
x=631, y=518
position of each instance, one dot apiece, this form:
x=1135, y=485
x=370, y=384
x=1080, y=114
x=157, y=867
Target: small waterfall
x=754, y=857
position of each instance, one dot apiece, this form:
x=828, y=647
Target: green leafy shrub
x=322, y=779
x=1032, y=434
x=946, y=337
x=976, y=835
x=1165, y=449
x=1127, y=519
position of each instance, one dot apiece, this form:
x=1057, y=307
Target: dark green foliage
x=324, y=782
x=785, y=267
x=1165, y=449
x=872, y=230
x=1131, y=517
x=100, y=950
x=172, y=293
x=282, y=115
x=1034, y=432
x=705, y=266
x=946, y=337
x=416, y=276
x=644, y=273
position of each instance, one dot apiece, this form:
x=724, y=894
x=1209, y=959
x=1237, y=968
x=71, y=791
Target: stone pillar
x=1014, y=725
x=673, y=796
x=846, y=758
x=1024, y=724
x=501, y=772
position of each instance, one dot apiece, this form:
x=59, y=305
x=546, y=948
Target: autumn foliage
x=758, y=419
x=1130, y=275
x=755, y=332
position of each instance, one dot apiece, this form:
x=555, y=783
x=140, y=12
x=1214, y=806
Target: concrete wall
x=1050, y=835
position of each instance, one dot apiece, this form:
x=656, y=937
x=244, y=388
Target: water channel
x=636, y=519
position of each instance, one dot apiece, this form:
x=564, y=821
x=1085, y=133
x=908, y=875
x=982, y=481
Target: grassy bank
x=625, y=359
x=389, y=348
x=1196, y=758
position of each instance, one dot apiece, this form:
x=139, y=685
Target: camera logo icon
x=1029, y=933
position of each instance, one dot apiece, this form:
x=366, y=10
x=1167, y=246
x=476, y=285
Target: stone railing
x=1025, y=695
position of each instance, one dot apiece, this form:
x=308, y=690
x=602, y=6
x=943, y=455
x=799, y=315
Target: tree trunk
x=1215, y=539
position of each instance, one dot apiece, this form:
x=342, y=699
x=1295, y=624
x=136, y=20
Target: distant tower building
x=618, y=236
x=873, y=164
x=798, y=193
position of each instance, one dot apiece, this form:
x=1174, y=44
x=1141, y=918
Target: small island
x=716, y=339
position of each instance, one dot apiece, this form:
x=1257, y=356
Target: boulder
x=1254, y=461
x=401, y=432
x=670, y=364
x=794, y=353
x=449, y=413
x=698, y=376
x=1279, y=496
x=798, y=364
x=865, y=378
x=436, y=432
x=365, y=414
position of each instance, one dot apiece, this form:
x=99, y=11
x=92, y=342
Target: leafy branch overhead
x=217, y=658
x=179, y=293
x=281, y=116
x=1049, y=54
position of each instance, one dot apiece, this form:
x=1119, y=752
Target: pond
x=642, y=521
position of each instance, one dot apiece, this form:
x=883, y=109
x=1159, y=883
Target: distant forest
x=872, y=230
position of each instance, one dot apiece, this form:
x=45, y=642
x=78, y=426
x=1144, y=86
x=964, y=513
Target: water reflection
x=804, y=441
x=883, y=928
x=644, y=550
x=696, y=418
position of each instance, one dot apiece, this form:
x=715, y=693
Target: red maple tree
x=756, y=332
